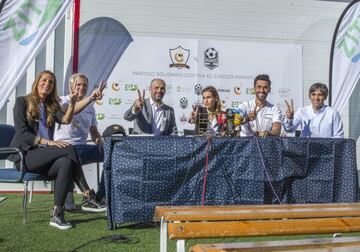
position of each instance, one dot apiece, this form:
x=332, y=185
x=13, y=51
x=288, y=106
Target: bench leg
x=163, y=235
x=180, y=246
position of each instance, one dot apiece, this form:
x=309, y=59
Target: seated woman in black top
x=34, y=117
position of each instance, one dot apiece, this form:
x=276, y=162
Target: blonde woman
x=34, y=117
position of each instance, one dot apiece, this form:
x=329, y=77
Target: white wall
x=308, y=22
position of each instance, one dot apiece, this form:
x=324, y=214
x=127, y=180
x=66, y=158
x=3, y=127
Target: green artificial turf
x=90, y=232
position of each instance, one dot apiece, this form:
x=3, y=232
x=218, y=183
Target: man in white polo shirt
x=261, y=117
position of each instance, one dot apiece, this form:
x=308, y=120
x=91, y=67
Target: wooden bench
x=324, y=244
x=193, y=222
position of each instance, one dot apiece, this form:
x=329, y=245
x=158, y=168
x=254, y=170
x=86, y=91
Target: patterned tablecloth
x=142, y=172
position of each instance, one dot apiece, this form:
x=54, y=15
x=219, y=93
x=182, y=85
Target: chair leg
x=31, y=191
x=24, y=201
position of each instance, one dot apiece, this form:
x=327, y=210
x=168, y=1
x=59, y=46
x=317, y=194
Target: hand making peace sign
x=139, y=102
x=289, y=109
x=97, y=94
x=194, y=114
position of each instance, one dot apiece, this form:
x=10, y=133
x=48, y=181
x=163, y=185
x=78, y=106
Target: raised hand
x=251, y=116
x=194, y=114
x=139, y=102
x=97, y=94
x=73, y=95
x=289, y=109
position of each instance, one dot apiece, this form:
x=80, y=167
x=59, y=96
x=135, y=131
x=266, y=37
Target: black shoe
x=57, y=220
x=91, y=204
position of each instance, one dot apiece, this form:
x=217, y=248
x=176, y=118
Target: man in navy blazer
x=151, y=115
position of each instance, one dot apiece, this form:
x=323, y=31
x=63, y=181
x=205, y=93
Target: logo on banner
x=99, y=102
x=29, y=18
x=183, y=89
x=223, y=90
x=198, y=89
x=115, y=86
x=250, y=91
x=237, y=90
x=131, y=87
x=235, y=104
x=114, y=101
x=183, y=119
x=211, y=58
x=100, y=116
x=179, y=57
x=223, y=104
x=183, y=103
x=350, y=43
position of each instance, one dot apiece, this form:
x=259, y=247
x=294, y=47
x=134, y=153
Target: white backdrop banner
x=24, y=28
x=188, y=65
x=345, y=68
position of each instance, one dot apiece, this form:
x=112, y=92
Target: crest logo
x=211, y=58
x=179, y=57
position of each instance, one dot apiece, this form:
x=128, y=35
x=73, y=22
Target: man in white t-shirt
x=83, y=123
x=261, y=117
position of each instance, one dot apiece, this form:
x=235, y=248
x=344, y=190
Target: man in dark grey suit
x=151, y=115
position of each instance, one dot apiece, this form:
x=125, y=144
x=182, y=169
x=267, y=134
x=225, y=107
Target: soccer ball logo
x=211, y=53
x=198, y=89
x=183, y=103
x=211, y=58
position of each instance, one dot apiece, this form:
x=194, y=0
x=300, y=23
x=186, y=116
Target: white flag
x=345, y=62
x=25, y=26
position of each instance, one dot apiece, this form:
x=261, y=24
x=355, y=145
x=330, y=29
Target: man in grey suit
x=151, y=115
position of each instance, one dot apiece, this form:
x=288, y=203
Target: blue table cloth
x=142, y=172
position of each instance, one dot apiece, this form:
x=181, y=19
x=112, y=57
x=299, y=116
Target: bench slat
x=194, y=230
x=308, y=244
x=214, y=213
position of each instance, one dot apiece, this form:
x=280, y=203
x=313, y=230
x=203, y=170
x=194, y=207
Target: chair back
x=7, y=133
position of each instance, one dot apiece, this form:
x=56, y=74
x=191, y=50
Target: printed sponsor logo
x=114, y=101
x=349, y=43
x=235, y=104
x=100, y=116
x=197, y=89
x=183, y=103
x=223, y=90
x=115, y=86
x=237, y=90
x=250, y=90
x=183, y=119
x=131, y=87
x=211, y=58
x=24, y=29
x=179, y=57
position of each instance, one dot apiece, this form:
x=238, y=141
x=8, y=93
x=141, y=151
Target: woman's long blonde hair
x=51, y=102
